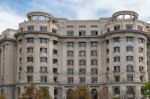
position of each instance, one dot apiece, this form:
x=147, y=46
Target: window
x=55, y=42
x=70, y=44
x=82, y=62
x=141, y=59
x=129, y=49
x=94, y=44
x=70, y=33
x=117, y=78
x=30, y=50
x=43, y=50
x=94, y=26
x=43, y=78
x=129, y=39
x=94, y=71
x=93, y=53
x=82, y=33
x=130, y=68
x=30, y=40
x=116, y=27
x=117, y=59
x=55, y=70
x=94, y=62
x=82, y=71
x=55, y=52
x=30, y=28
x=94, y=33
x=129, y=77
x=141, y=68
x=116, y=49
x=70, y=71
x=43, y=28
x=43, y=59
x=129, y=58
x=70, y=80
x=82, y=44
x=116, y=90
x=70, y=62
x=82, y=53
x=82, y=80
x=70, y=53
x=82, y=26
x=55, y=61
x=43, y=69
x=94, y=80
x=30, y=59
x=129, y=27
x=140, y=28
x=141, y=49
x=116, y=68
x=29, y=78
x=116, y=39
x=43, y=40
x=54, y=31
x=70, y=26
x=30, y=69
x=141, y=40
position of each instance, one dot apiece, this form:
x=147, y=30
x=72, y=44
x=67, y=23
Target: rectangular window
x=43, y=59
x=82, y=53
x=129, y=27
x=43, y=69
x=43, y=50
x=70, y=80
x=130, y=78
x=30, y=69
x=30, y=50
x=82, y=71
x=29, y=78
x=70, y=71
x=55, y=52
x=141, y=59
x=70, y=33
x=30, y=28
x=55, y=61
x=141, y=49
x=116, y=49
x=116, y=68
x=30, y=59
x=43, y=40
x=116, y=39
x=129, y=49
x=141, y=40
x=117, y=78
x=82, y=33
x=82, y=26
x=117, y=59
x=82, y=62
x=82, y=44
x=129, y=39
x=43, y=28
x=70, y=44
x=129, y=58
x=55, y=42
x=82, y=80
x=30, y=40
x=70, y=62
x=70, y=53
x=70, y=26
x=94, y=26
x=117, y=27
x=94, y=80
x=94, y=44
x=130, y=68
x=94, y=71
x=94, y=33
x=94, y=62
x=93, y=53
x=43, y=78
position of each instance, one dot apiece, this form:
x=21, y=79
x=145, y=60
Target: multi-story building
x=56, y=53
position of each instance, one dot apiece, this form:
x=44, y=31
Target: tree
x=103, y=93
x=146, y=89
x=2, y=96
x=33, y=93
x=80, y=92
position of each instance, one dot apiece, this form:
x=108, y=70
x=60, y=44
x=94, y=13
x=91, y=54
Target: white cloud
x=9, y=19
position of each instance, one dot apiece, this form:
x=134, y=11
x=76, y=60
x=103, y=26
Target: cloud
x=9, y=19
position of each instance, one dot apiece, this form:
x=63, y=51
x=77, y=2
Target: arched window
x=130, y=93
x=116, y=90
x=94, y=94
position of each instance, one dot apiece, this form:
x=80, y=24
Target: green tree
x=146, y=90
x=46, y=94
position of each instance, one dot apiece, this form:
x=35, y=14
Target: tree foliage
x=33, y=93
x=80, y=92
x=146, y=90
x=2, y=96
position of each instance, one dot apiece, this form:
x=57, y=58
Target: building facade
x=109, y=54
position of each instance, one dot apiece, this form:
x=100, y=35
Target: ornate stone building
x=56, y=53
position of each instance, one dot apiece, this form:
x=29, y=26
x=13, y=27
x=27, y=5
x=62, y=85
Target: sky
x=13, y=12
